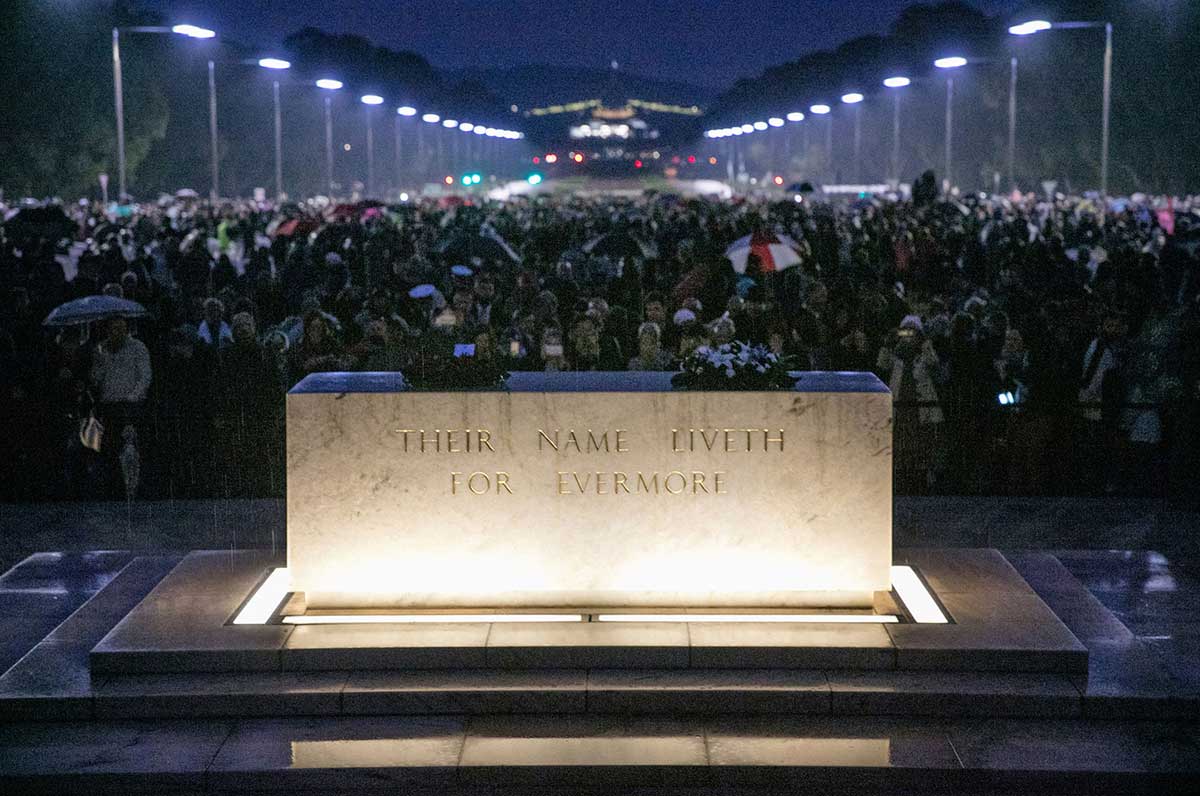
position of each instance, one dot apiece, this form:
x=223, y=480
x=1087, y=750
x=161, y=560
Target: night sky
x=707, y=42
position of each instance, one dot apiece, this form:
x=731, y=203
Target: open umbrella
x=94, y=308
x=619, y=244
x=775, y=252
x=49, y=222
x=464, y=245
x=296, y=226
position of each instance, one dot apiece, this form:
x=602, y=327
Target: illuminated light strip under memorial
x=266, y=599
x=383, y=619
x=882, y=619
x=916, y=597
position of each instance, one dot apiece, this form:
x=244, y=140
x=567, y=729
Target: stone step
x=507, y=755
x=613, y=691
x=53, y=680
x=999, y=625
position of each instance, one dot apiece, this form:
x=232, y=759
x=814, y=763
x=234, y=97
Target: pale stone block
x=589, y=490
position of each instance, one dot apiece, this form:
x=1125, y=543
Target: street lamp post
x=1012, y=123
x=369, y=101
x=855, y=99
x=822, y=109
x=952, y=62
x=1038, y=25
x=404, y=112
x=895, y=82
x=949, y=129
x=277, y=64
x=192, y=32
x=329, y=85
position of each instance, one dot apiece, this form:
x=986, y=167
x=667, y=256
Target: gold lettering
x=750, y=431
x=405, y=432
x=454, y=485
x=709, y=443
x=767, y=440
x=553, y=443
x=502, y=483
x=562, y=484
x=593, y=444
x=728, y=439
x=586, y=480
x=622, y=446
x=698, y=483
x=682, y=482
x=451, y=441
x=717, y=483
x=601, y=483
x=485, y=438
x=675, y=441
x=436, y=441
x=619, y=483
x=486, y=483
x=573, y=440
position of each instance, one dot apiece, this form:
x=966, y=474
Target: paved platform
x=648, y=710
x=998, y=624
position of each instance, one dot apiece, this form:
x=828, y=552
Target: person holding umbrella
x=121, y=374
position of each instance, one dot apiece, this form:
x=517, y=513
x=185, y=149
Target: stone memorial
x=588, y=490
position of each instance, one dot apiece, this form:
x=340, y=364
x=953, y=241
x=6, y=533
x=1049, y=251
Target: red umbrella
x=296, y=226
x=774, y=252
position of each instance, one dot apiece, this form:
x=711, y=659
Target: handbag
x=91, y=432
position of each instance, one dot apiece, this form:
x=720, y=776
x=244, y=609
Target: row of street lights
x=948, y=63
x=327, y=84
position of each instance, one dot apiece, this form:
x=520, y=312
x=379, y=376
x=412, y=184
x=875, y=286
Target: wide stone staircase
x=146, y=688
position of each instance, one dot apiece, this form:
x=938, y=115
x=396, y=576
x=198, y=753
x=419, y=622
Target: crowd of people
x=1033, y=345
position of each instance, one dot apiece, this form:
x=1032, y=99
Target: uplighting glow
x=274, y=63
x=263, y=604
x=916, y=598
x=747, y=128
x=795, y=116
x=480, y=130
x=852, y=98
x=450, y=123
x=878, y=619
x=193, y=31
x=371, y=99
x=329, y=84
x=406, y=110
x=431, y=118
x=952, y=62
x=466, y=127
x=899, y=81
x=819, y=109
x=409, y=619
x=760, y=126
x=775, y=121
x=1032, y=26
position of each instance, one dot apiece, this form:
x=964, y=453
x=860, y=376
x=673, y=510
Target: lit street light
x=277, y=64
x=1039, y=25
x=855, y=99
x=953, y=62
x=192, y=32
x=822, y=109
x=329, y=85
x=897, y=81
x=369, y=101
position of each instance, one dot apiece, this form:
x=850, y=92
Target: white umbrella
x=775, y=252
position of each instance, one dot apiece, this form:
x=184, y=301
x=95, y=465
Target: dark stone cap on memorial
x=585, y=381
